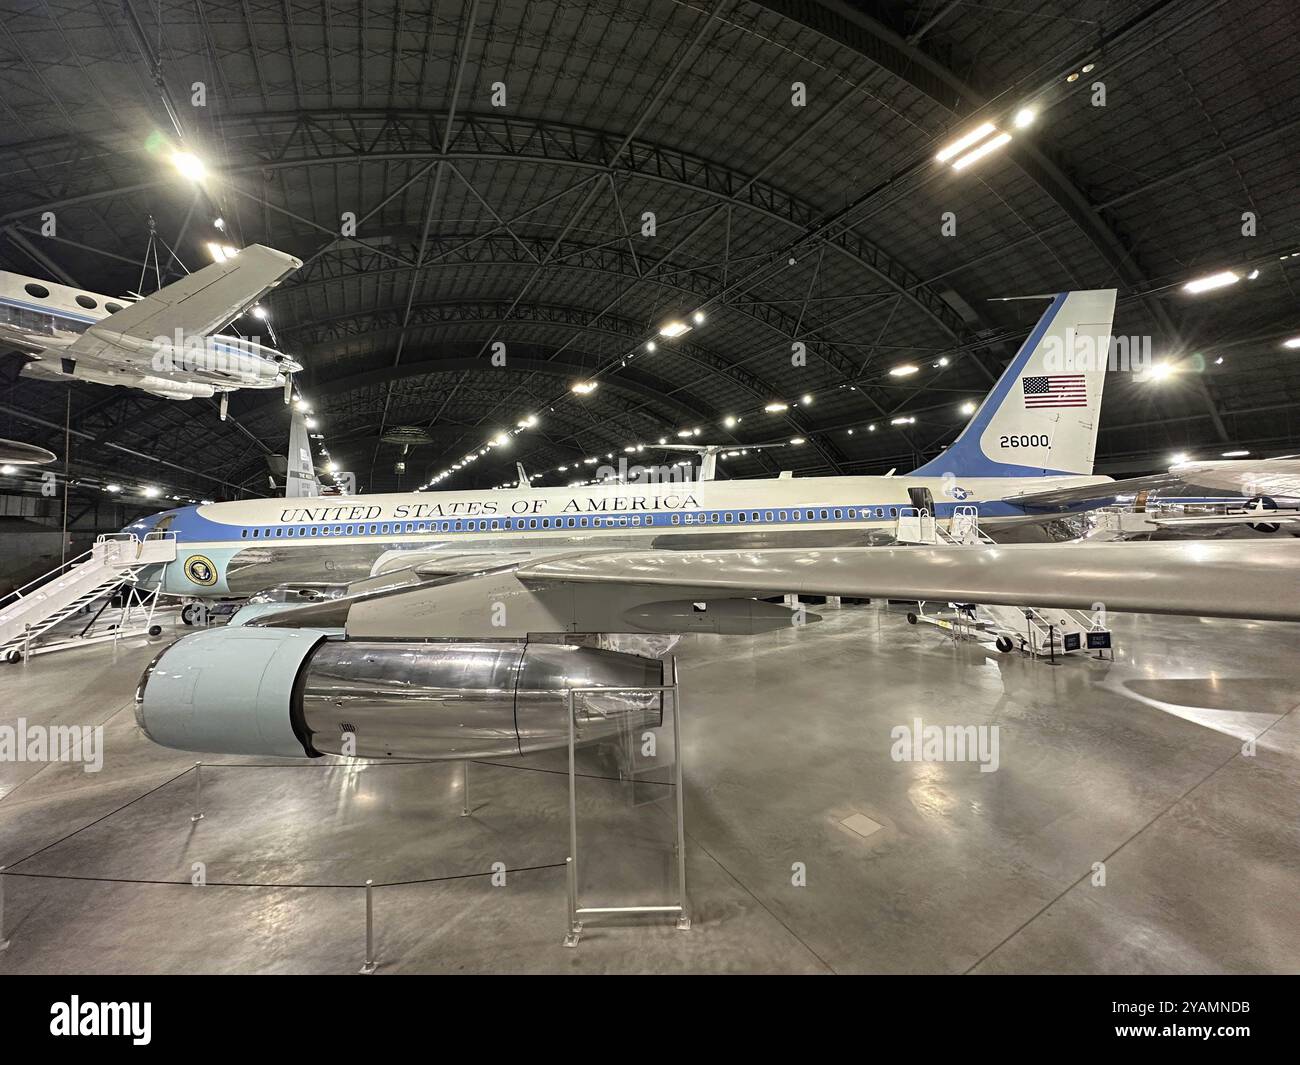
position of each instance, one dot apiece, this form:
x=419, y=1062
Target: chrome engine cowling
x=296, y=692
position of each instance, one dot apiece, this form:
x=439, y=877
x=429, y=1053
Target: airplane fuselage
x=239, y=548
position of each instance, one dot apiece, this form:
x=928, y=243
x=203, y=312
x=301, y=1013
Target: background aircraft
x=165, y=343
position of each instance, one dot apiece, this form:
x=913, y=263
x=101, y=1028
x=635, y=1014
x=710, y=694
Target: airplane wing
x=1265, y=517
x=1237, y=479
x=197, y=305
x=576, y=590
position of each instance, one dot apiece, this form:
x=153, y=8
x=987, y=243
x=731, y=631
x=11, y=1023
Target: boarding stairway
x=916, y=525
x=112, y=564
x=1036, y=631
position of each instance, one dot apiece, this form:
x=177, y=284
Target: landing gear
x=911, y=619
x=187, y=614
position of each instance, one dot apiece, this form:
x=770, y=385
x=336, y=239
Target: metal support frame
x=198, y=793
x=576, y=912
x=371, y=963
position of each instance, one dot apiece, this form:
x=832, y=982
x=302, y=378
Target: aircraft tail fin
x=300, y=474
x=1041, y=417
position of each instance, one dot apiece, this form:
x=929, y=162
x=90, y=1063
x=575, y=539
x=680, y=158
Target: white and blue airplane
x=455, y=623
x=1035, y=432
x=166, y=343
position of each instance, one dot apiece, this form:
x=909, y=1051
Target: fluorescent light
x=968, y=407
x=902, y=371
x=1025, y=117
x=189, y=165
x=150, y=491
x=112, y=488
x=1212, y=281
x=683, y=433
x=584, y=388
x=1294, y=342
x=7, y=469
x=990, y=145
x=673, y=329
x=962, y=143
x=216, y=252
x=901, y=421
x=776, y=407
x=1178, y=458
x=1235, y=454
x=796, y=440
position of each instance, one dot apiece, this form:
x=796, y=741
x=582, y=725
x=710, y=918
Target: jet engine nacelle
x=306, y=692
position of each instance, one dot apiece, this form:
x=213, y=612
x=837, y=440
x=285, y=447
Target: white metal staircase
x=115, y=560
x=921, y=527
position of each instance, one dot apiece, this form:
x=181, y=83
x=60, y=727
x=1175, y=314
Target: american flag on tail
x=1058, y=390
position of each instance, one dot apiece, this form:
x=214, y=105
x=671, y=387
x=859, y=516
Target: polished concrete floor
x=1138, y=765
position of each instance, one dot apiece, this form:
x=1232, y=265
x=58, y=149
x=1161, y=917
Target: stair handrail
x=18, y=593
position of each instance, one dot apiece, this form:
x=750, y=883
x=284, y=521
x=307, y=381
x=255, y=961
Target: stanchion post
x=371, y=964
x=683, y=918
x=4, y=943
x=464, y=789
x=198, y=793
x=574, y=932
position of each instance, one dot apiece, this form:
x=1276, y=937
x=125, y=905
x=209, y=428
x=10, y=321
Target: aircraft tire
x=911, y=619
x=1003, y=644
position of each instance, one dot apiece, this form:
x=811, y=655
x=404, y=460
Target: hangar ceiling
x=522, y=223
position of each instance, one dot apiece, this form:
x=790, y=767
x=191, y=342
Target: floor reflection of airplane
x=165, y=343
x=450, y=624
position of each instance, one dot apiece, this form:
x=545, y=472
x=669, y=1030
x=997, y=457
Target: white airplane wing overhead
x=197, y=305
x=1230, y=579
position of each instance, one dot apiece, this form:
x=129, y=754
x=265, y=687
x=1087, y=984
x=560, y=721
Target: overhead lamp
x=776, y=407
x=871, y=428
x=219, y=224
x=189, y=165
x=1252, y=275
x=673, y=329
x=1212, y=281
x=968, y=407
x=584, y=388
x=1293, y=342
x=221, y=252
x=943, y=360
x=149, y=491
x=6, y=469
x=729, y=422
x=902, y=371
x=695, y=431
x=1235, y=454
x=1178, y=458
x=1025, y=118
x=990, y=145
x=1088, y=67
x=962, y=143
x=698, y=317
x=260, y=313
x=301, y=404
x=797, y=440
x=682, y=434
x=527, y=423
x=905, y=420
x=112, y=488
x=311, y=423
x=1159, y=371
x=807, y=400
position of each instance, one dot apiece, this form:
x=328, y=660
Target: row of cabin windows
x=725, y=517
x=40, y=292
